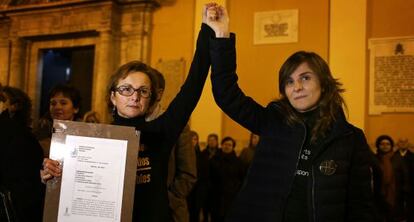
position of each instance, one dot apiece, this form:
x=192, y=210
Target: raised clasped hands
x=216, y=17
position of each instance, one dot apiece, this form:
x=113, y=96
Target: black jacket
x=227, y=174
x=343, y=196
x=159, y=136
x=21, y=159
x=402, y=189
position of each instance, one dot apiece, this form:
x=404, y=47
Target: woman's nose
x=298, y=86
x=135, y=96
x=56, y=106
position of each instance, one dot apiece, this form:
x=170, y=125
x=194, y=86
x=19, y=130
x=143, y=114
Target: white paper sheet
x=92, y=179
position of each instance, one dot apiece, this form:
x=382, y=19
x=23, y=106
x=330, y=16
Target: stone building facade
x=119, y=30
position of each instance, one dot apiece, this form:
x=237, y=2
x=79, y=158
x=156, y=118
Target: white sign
x=391, y=75
x=276, y=27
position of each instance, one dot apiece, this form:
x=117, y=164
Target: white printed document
x=92, y=180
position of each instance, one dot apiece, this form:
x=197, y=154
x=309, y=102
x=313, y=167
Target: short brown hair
x=22, y=102
x=123, y=71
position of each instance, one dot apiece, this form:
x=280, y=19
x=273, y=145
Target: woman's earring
x=113, y=110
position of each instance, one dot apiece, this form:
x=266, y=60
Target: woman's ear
x=160, y=92
x=113, y=101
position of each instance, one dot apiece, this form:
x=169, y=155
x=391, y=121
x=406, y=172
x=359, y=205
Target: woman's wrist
x=222, y=34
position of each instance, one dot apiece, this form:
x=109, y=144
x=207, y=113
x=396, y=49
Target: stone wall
x=119, y=30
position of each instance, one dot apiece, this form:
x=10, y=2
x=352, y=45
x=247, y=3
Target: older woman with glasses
x=131, y=92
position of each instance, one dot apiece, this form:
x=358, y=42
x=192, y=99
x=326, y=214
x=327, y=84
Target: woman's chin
x=130, y=115
x=60, y=117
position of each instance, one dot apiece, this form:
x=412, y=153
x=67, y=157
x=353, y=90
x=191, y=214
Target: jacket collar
x=339, y=129
x=135, y=122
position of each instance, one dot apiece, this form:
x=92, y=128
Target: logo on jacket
x=328, y=167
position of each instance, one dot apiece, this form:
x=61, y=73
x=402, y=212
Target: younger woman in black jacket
x=310, y=163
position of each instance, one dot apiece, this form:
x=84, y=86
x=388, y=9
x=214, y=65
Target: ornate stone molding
x=25, y=5
x=119, y=30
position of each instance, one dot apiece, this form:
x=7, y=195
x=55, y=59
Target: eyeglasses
x=129, y=91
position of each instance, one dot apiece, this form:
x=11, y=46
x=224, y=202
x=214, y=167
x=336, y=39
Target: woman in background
x=20, y=156
x=391, y=182
x=194, y=200
x=64, y=104
x=247, y=154
x=91, y=117
x=226, y=173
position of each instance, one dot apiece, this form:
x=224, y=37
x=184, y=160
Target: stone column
x=136, y=38
x=105, y=66
x=17, y=63
x=4, y=61
x=347, y=54
x=4, y=52
x=146, y=33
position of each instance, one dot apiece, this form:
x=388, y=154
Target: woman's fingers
x=213, y=12
x=52, y=167
x=217, y=18
x=222, y=12
x=44, y=176
x=209, y=8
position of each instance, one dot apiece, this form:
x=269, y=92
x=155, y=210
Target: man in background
x=182, y=169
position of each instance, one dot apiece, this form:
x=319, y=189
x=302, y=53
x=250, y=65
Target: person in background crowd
x=204, y=175
x=391, y=183
x=226, y=173
x=196, y=196
x=91, y=117
x=247, y=154
x=64, y=104
x=311, y=164
x=20, y=157
x=182, y=170
x=212, y=146
x=406, y=151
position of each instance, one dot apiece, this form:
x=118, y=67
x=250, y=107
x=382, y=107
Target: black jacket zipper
x=296, y=168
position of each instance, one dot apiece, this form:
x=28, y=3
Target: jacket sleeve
x=360, y=205
x=178, y=112
x=226, y=91
x=182, y=175
x=20, y=163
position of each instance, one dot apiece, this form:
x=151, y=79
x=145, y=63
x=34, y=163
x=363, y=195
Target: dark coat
x=227, y=173
x=204, y=171
x=247, y=155
x=344, y=195
x=409, y=159
x=21, y=159
x=196, y=197
x=182, y=175
x=402, y=189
